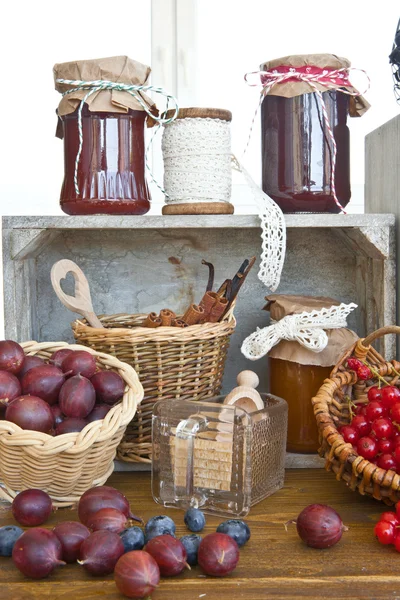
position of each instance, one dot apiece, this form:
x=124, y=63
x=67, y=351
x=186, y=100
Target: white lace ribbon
x=306, y=328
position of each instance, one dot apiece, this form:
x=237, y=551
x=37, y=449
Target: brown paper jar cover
x=289, y=89
x=296, y=373
x=111, y=169
x=118, y=69
x=339, y=340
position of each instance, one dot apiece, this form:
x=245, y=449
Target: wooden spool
x=200, y=208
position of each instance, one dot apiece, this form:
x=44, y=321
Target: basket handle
x=81, y=303
x=367, y=341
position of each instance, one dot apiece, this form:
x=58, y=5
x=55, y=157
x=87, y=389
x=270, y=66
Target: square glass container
x=217, y=457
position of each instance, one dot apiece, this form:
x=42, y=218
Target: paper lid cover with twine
x=118, y=69
x=339, y=340
x=288, y=89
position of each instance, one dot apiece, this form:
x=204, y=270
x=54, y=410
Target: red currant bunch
x=387, y=529
x=374, y=430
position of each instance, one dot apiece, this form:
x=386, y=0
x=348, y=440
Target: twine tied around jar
x=134, y=90
x=306, y=328
x=329, y=78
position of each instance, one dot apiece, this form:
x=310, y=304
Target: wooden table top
x=274, y=563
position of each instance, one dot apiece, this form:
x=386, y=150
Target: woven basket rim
x=380, y=483
x=190, y=333
x=97, y=431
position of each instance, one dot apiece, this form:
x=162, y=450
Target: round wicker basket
x=66, y=466
x=185, y=363
x=333, y=408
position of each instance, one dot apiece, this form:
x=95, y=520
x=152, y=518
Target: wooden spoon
x=81, y=303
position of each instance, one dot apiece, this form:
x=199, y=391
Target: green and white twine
x=133, y=90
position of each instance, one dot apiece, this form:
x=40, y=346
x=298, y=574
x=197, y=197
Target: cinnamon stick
x=207, y=302
x=166, y=317
x=152, y=320
x=218, y=310
x=193, y=314
x=178, y=323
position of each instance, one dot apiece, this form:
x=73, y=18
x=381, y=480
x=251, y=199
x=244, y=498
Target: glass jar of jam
x=104, y=171
x=111, y=169
x=297, y=150
x=296, y=373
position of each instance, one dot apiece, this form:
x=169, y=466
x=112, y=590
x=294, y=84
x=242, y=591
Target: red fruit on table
x=385, y=532
x=350, y=434
x=397, y=542
x=218, y=554
x=374, y=393
x=71, y=535
x=37, y=553
x=12, y=356
x=367, y=447
x=390, y=395
x=136, y=574
x=361, y=424
x=99, y=553
x=374, y=410
x=31, y=507
x=169, y=553
x=382, y=428
x=386, y=462
x=390, y=517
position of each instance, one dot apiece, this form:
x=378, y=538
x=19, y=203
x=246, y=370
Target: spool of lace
x=197, y=154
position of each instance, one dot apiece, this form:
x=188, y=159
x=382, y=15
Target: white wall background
x=200, y=50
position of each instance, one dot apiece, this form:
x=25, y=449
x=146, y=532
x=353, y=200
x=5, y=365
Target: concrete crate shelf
x=139, y=264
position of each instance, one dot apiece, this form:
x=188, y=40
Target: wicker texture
x=332, y=410
x=66, y=466
x=171, y=362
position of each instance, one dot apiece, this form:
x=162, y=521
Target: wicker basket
x=171, y=362
x=66, y=466
x=332, y=409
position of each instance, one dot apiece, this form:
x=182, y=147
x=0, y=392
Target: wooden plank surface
x=274, y=563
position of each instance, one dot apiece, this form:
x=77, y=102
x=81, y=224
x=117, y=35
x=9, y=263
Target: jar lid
x=202, y=113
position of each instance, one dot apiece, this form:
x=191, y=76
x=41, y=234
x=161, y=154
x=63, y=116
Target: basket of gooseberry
x=358, y=416
x=63, y=411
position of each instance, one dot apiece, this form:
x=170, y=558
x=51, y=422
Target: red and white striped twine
x=329, y=78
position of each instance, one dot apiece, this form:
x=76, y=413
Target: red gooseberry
x=361, y=424
x=367, y=447
x=390, y=395
x=383, y=428
x=374, y=393
x=385, y=532
x=397, y=542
